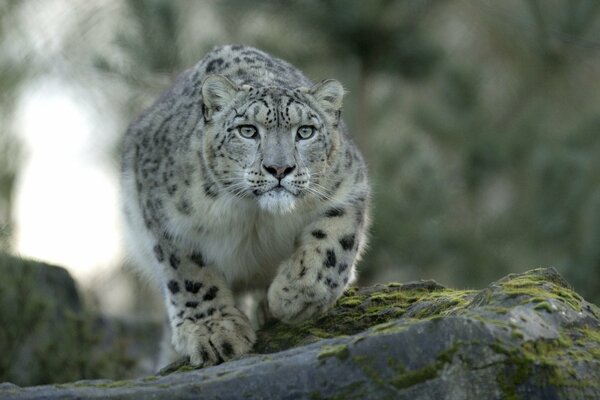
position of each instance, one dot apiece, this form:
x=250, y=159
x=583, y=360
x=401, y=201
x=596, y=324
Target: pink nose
x=278, y=171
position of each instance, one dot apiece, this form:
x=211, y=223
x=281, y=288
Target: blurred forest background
x=480, y=121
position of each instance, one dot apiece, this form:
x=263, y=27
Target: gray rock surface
x=526, y=336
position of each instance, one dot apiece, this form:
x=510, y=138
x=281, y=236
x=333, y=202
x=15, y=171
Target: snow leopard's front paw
x=296, y=300
x=215, y=339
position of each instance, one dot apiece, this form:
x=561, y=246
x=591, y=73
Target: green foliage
x=479, y=119
x=156, y=22
x=13, y=71
x=382, y=34
x=497, y=173
x=482, y=149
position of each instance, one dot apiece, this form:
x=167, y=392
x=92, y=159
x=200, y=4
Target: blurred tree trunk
x=361, y=135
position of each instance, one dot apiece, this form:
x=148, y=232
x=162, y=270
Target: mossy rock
x=361, y=308
x=526, y=336
x=45, y=334
x=39, y=316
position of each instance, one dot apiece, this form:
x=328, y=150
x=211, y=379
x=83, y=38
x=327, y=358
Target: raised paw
x=295, y=301
x=215, y=339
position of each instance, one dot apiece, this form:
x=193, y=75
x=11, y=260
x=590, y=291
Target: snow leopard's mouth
x=275, y=190
x=278, y=200
x=279, y=188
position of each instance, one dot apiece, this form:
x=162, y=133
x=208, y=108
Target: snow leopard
x=241, y=178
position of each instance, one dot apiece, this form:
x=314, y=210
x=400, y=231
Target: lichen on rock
x=525, y=336
x=361, y=308
x=526, y=333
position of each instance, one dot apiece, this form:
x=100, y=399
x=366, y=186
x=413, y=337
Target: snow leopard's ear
x=217, y=92
x=329, y=93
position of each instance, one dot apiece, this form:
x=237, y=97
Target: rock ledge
x=525, y=336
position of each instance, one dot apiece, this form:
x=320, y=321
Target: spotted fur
x=241, y=177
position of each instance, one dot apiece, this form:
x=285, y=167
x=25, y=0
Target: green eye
x=248, y=131
x=305, y=132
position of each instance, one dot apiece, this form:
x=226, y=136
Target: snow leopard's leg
x=206, y=326
x=322, y=266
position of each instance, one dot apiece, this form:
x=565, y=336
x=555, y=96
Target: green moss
x=590, y=334
x=180, y=365
x=349, y=302
x=515, y=334
x=404, y=378
x=360, y=309
x=408, y=379
x=539, y=285
x=497, y=310
x=548, y=362
x=366, y=364
x=387, y=309
x=117, y=384
x=186, y=368
x=320, y=333
x=101, y=384
x=489, y=320
x=60, y=385
x=395, y=327
x=340, y=351
x=151, y=378
x=386, y=327
x=538, y=299
x=589, y=339
x=545, y=306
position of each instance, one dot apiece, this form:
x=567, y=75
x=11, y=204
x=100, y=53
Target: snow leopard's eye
x=248, y=131
x=305, y=132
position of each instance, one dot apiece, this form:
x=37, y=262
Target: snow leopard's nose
x=279, y=171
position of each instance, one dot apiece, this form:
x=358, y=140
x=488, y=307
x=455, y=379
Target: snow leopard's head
x=271, y=143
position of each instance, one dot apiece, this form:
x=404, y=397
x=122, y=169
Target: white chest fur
x=243, y=242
